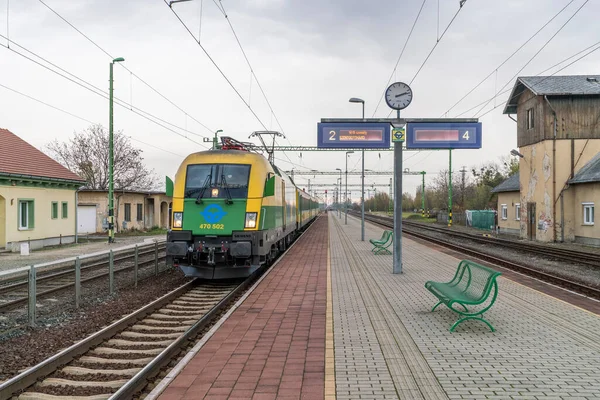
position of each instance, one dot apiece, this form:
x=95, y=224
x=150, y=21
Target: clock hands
x=402, y=94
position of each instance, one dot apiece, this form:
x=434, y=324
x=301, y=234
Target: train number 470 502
x=212, y=226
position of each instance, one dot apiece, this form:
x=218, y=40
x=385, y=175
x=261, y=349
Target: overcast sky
x=310, y=57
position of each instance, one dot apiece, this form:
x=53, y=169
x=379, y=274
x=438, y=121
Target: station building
x=37, y=197
x=558, y=136
x=134, y=210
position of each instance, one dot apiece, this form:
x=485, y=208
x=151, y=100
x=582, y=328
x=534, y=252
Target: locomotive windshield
x=230, y=180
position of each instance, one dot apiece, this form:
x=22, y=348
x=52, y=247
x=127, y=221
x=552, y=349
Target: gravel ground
x=15, y=260
x=25, y=347
x=577, y=272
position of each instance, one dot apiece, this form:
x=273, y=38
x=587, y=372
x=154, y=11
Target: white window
x=26, y=214
x=530, y=118
x=588, y=213
x=504, y=209
x=518, y=211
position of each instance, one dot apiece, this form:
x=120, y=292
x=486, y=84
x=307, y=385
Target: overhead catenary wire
x=215, y=64
x=123, y=66
x=495, y=70
x=79, y=117
x=46, y=104
x=222, y=9
x=542, y=80
x=97, y=91
x=544, y=71
x=399, y=57
x=461, y=4
x=536, y=54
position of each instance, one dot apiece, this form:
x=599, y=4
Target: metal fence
x=150, y=253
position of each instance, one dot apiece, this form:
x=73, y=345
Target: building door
x=2, y=222
x=86, y=219
x=531, y=225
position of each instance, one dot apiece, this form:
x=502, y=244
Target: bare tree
x=86, y=154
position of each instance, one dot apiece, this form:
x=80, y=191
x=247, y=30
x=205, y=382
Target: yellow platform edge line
x=329, y=352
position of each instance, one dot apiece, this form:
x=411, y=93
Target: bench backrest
x=474, y=280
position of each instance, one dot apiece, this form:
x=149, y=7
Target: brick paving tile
x=273, y=345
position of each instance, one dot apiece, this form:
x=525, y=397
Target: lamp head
x=338, y=169
x=349, y=152
x=220, y=130
x=356, y=100
x=118, y=59
x=516, y=153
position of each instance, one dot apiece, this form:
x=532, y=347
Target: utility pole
x=391, y=205
x=111, y=160
x=450, y=188
x=462, y=187
x=423, y=195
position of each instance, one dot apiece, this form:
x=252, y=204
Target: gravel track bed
x=73, y=391
x=61, y=324
x=586, y=274
x=89, y=377
x=60, y=306
x=107, y=365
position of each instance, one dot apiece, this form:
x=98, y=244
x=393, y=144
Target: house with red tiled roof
x=38, y=196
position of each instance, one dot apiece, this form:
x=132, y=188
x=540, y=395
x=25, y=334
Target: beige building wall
x=45, y=230
x=152, y=206
x=512, y=223
x=584, y=194
x=542, y=183
x=2, y=222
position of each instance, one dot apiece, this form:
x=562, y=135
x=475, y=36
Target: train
x=233, y=211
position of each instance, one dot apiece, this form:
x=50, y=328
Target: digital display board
x=358, y=135
x=439, y=135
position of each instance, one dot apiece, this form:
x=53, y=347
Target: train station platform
x=361, y=332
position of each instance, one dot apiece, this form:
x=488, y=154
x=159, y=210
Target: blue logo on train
x=213, y=213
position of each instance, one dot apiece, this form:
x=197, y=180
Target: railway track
x=14, y=289
x=119, y=360
x=412, y=229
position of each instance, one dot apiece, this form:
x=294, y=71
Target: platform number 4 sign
x=398, y=135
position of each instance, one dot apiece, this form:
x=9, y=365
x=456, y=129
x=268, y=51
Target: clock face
x=398, y=96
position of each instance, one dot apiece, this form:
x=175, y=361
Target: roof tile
x=19, y=157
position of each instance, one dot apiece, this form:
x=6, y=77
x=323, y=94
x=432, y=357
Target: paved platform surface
x=389, y=345
x=273, y=345
x=361, y=332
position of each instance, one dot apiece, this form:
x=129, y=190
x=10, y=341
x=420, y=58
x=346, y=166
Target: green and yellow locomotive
x=233, y=211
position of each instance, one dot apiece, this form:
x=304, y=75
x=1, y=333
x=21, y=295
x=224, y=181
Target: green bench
x=380, y=246
x=471, y=288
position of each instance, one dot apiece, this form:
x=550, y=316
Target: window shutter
x=30, y=212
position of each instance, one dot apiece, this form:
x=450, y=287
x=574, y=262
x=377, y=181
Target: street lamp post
x=111, y=209
x=362, y=179
x=346, y=202
x=340, y=193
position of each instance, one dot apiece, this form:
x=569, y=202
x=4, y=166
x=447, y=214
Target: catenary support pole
x=362, y=191
x=111, y=209
x=31, y=311
x=397, y=269
x=450, y=187
x=135, y=266
x=111, y=272
x=77, y=282
x=423, y=195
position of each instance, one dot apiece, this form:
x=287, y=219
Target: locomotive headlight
x=250, y=220
x=177, y=219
